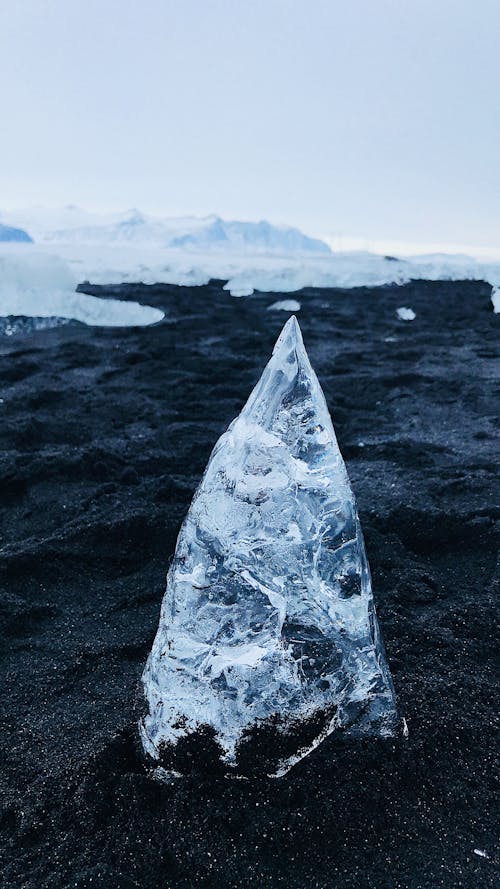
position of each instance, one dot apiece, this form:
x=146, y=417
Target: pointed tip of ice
x=292, y=325
x=290, y=337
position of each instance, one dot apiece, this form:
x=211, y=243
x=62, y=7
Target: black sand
x=104, y=436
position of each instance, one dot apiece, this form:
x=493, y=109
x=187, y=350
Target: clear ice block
x=268, y=617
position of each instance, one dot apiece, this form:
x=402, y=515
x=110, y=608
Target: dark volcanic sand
x=104, y=436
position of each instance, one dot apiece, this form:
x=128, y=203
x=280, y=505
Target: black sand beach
x=104, y=435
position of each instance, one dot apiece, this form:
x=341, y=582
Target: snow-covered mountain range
x=9, y=234
x=72, y=225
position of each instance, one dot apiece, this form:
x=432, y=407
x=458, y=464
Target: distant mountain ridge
x=71, y=225
x=16, y=235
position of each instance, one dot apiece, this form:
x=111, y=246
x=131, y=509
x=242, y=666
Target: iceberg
x=268, y=636
x=40, y=286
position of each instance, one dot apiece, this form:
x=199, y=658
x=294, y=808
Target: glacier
x=268, y=618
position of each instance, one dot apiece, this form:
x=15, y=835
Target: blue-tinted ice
x=268, y=609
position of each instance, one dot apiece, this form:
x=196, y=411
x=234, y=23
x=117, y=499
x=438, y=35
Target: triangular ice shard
x=268, y=623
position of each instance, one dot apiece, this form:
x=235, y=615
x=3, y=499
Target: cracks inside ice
x=268, y=616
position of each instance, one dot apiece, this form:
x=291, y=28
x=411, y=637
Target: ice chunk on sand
x=495, y=299
x=405, y=314
x=37, y=285
x=285, y=305
x=268, y=620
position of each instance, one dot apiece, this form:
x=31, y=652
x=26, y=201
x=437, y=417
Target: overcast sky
x=369, y=118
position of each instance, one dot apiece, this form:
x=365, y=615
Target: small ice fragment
x=166, y=776
x=495, y=299
x=481, y=853
x=406, y=730
x=239, y=291
x=405, y=314
x=268, y=622
x=285, y=305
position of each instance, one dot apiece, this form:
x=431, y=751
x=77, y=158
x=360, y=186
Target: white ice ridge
x=252, y=270
x=268, y=610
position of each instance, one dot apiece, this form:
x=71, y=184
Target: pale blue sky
x=370, y=118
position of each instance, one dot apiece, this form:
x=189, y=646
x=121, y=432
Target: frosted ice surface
x=268, y=616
